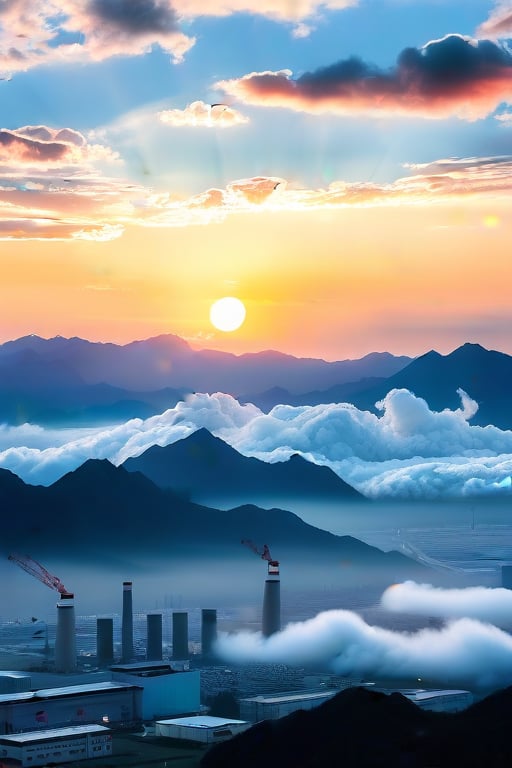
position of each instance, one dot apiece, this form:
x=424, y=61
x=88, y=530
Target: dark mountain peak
x=469, y=350
x=9, y=480
x=206, y=468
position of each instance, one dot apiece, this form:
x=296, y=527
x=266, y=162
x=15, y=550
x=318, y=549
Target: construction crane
x=273, y=565
x=35, y=569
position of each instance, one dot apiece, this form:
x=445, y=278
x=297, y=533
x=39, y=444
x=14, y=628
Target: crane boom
x=264, y=553
x=39, y=572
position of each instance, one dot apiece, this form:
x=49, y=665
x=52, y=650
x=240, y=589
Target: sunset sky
x=343, y=167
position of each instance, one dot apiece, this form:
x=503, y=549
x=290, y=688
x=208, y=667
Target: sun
x=227, y=314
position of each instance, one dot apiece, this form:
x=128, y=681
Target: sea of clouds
x=407, y=450
x=467, y=650
x=464, y=652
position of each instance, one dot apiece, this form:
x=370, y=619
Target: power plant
x=271, y=615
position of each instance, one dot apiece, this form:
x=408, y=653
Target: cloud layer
x=464, y=653
x=455, y=75
x=199, y=114
x=36, y=32
x=408, y=451
x=482, y=603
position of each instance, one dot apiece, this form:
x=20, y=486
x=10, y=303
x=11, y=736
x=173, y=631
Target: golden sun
x=227, y=314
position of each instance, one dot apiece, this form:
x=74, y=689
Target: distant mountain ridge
x=206, y=469
x=33, y=368
x=74, y=381
x=486, y=376
x=99, y=510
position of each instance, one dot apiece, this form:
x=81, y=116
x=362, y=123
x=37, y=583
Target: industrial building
x=440, y=701
x=166, y=691
x=203, y=728
x=56, y=745
x=117, y=704
x=273, y=706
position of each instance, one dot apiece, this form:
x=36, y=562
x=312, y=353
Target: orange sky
x=323, y=283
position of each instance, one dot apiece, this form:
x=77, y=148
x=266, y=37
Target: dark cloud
x=138, y=17
x=454, y=75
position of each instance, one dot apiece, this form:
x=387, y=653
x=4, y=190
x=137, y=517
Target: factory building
x=117, y=704
x=56, y=745
x=203, y=728
x=439, y=701
x=167, y=691
x=14, y=682
x=273, y=706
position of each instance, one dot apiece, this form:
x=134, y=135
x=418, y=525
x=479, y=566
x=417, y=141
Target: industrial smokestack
x=271, y=618
x=65, y=642
x=154, y=637
x=208, y=630
x=127, y=625
x=180, y=635
x=104, y=642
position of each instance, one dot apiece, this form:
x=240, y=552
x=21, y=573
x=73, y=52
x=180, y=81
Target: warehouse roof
x=52, y=733
x=201, y=721
x=69, y=690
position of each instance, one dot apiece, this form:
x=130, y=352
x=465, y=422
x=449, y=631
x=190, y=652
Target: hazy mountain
x=168, y=361
x=341, y=393
x=205, y=468
x=40, y=393
x=99, y=510
x=359, y=727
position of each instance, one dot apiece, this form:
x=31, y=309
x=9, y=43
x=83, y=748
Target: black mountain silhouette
x=205, y=468
x=360, y=727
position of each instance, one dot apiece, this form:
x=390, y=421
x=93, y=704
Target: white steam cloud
x=463, y=653
x=406, y=451
x=483, y=603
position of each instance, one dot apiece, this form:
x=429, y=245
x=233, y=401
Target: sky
x=343, y=167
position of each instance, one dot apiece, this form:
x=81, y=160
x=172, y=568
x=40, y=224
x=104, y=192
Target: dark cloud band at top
x=451, y=76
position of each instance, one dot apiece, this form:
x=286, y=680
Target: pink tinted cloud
x=499, y=23
x=34, y=32
x=451, y=76
x=51, y=188
x=281, y=10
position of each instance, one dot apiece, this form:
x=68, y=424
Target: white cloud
x=483, y=603
x=408, y=451
x=200, y=114
x=463, y=653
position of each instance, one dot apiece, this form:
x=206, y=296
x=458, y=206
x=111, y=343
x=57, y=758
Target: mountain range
x=359, y=727
x=206, y=469
x=98, y=511
x=486, y=376
x=73, y=381
x=59, y=380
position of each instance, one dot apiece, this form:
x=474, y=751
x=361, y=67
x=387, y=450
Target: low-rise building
x=56, y=745
x=273, y=706
x=201, y=728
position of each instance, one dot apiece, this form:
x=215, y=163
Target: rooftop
x=52, y=733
